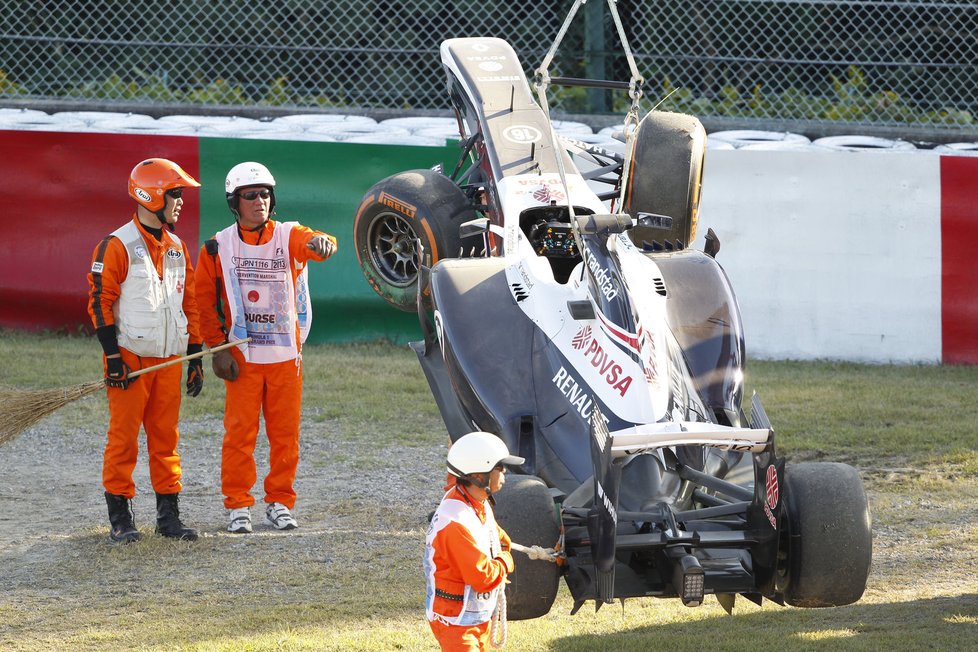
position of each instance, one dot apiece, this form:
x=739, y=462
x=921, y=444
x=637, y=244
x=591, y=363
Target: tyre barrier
x=389, y=138
x=198, y=122
x=713, y=144
x=306, y=121
x=13, y=113
x=778, y=145
x=91, y=117
x=957, y=149
x=39, y=122
x=569, y=127
x=743, y=137
x=287, y=134
x=863, y=144
x=341, y=131
x=417, y=123
x=237, y=129
x=139, y=126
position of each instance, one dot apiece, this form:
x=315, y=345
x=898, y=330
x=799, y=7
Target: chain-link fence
x=897, y=63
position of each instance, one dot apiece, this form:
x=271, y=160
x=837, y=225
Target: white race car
x=602, y=348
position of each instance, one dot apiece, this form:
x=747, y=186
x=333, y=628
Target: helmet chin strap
x=161, y=216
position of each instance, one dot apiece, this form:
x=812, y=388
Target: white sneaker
x=240, y=521
x=280, y=517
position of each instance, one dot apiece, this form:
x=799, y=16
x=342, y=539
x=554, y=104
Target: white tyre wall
x=862, y=144
x=742, y=137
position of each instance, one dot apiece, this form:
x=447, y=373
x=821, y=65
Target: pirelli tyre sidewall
x=526, y=510
x=394, y=215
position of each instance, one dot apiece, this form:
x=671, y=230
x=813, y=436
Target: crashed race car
x=608, y=353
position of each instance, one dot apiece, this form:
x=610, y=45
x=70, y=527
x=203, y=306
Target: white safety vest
x=477, y=607
x=149, y=315
x=262, y=302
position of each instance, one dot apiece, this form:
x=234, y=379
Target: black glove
x=195, y=371
x=224, y=365
x=117, y=373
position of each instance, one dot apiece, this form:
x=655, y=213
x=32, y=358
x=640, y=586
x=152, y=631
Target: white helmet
x=247, y=174
x=478, y=452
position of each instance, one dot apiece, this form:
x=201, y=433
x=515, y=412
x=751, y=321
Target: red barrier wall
x=959, y=260
x=63, y=193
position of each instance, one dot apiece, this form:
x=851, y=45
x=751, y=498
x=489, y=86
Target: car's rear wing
x=650, y=436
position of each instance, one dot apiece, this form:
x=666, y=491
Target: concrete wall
x=864, y=256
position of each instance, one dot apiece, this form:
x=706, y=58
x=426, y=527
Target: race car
x=580, y=327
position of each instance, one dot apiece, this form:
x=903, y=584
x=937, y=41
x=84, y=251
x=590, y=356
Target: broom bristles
x=20, y=409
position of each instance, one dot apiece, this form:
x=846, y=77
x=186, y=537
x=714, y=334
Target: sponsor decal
x=771, y=497
x=546, y=194
x=253, y=296
x=527, y=283
x=495, y=57
x=142, y=194
x=580, y=340
x=602, y=277
x=609, y=507
x=648, y=347
x=174, y=254
x=611, y=372
x=97, y=268
x=397, y=205
x=522, y=133
x=574, y=393
x=259, y=318
x=771, y=484
x=499, y=78
x=490, y=66
x=179, y=287
x=140, y=251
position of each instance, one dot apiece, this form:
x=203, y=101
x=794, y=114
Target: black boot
x=168, y=519
x=121, y=519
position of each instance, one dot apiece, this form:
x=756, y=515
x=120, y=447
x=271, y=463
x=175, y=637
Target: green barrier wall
x=320, y=185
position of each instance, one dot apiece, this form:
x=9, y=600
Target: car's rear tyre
x=526, y=510
x=665, y=178
x=396, y=213
x=830, y=543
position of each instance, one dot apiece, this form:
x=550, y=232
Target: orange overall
x=272, y=389
x=456, y=561
x=153, y=400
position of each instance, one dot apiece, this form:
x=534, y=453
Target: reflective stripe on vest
x=149, y=314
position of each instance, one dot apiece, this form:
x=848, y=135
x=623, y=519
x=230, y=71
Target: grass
x=349, y=578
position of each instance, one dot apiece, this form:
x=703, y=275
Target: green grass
x=350, y=579
x=923, y=414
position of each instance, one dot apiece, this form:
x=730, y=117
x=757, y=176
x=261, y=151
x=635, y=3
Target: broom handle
x=192, y=356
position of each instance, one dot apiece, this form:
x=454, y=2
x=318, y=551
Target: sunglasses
x=252, y=194
x=176, y=193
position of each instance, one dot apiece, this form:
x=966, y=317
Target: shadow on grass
x=943, y=623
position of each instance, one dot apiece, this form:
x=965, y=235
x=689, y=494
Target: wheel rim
x=392, y=245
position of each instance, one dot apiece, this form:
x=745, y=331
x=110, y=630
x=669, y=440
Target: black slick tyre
x=526, y=510
x=394, y=215
x=665, y=178
x=830, y=535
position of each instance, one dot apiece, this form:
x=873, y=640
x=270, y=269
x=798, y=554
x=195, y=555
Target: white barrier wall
x=832, y=254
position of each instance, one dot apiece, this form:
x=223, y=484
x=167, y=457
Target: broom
x=21, y=409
